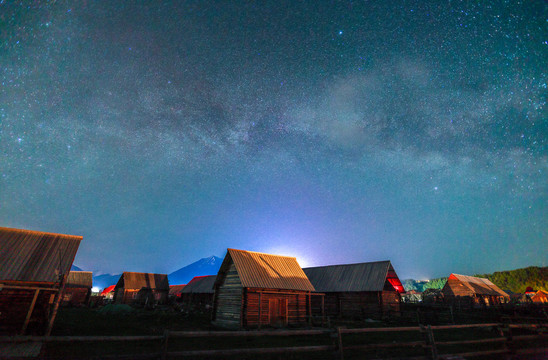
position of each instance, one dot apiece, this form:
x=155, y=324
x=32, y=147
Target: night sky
x=333, y=131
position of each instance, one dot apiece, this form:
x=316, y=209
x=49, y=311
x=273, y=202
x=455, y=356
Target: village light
x=95, y=289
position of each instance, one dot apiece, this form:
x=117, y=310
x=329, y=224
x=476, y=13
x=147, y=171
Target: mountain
x=105, y=280
x=205, y=266
x=421, y=285
x=520, y=279
x=75, y=268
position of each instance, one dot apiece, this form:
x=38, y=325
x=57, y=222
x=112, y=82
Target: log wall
x=228, y=300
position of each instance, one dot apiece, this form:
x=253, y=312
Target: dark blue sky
x=333, y=131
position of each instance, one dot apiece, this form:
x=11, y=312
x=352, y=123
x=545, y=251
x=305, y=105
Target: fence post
x=164, y=347
x=340, y=343
x=432, y=343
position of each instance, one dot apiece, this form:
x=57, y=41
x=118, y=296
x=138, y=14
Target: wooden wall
x=138, y=296
x=359, y=305
x=228, y=300
x=454, y=287
x=296, y=307
x=74, y=296
x=14, y=306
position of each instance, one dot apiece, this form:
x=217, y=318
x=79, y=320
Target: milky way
x=336, y=132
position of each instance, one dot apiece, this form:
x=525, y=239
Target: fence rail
x=337, y=336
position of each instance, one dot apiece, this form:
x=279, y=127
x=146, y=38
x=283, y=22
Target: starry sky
x=333, y=131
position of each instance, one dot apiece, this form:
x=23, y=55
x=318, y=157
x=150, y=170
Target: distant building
x=541, y=297
x=78, y=288
x=255, y=289
x=364, y=290
x=472, y=291
x=34, y=267
x=108, y=292
x=141, y=289
x=198, y=293
x=175, y=291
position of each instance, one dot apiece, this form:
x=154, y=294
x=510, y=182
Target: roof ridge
x=40, y=232
x=262, y=253
x=360, y=263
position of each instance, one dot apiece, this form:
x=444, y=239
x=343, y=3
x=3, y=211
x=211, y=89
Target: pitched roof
x=80, y=279
x=176, y=290
x=200, y=285
x=136, y=280
x=370, y=276
x=108, y=290
x=259, y=270
x=480, y=286
x=36, y=256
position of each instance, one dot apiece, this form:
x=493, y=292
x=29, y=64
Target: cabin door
x=277, y=310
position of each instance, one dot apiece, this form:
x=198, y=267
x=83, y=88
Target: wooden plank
x=478, y=353
x=29, y=313
x=247, y=333
x=15, y=339
x=252, y=351
x=386, y=345
x=449, y=327
x=479, y=341
x=368, y=330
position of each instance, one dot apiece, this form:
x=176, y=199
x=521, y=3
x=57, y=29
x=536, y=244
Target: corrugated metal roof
x=480, y=286
x=200, y=285
x=80, y=279
x=27, y=255
x=135, y=280
x=259, y=270
x=369, y=276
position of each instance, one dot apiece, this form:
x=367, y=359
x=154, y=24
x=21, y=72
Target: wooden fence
x=509, y=343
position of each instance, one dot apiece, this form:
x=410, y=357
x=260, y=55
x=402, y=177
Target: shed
x=254, y=289
x=360, y=290
x=34, y=267
x=78, y=288
x=541, y=297
x=472, y=291
x=198, y=293
x=175, y=291
x=141, y=288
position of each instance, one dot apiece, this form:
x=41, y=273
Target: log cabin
x=141, y=289
x=197, y=295
x=471, y=291
x=78, y=288
x=175, y=291
x=34, y=267
x=364, y=290
x=254, y=289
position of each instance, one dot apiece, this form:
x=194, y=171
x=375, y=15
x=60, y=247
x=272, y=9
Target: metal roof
x=480, y=286
x=176, y=289
x=136, y=280
x=259, y=270
x=200, y=285
x=36, y=256
x=80, y=279
x=369, y=276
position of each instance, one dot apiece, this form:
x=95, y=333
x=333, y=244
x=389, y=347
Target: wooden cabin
x=78, y=288
x=197, y=295
x=471, y=291
x=141, y=289
x=364, y=290
x=175, y=291
x=34, y=267
x=541, y=297
x=254, y=289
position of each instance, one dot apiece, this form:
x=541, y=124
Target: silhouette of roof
x=200, y=285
